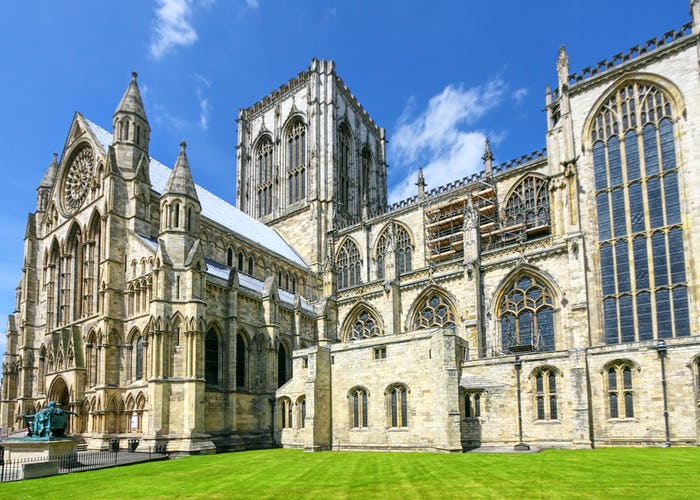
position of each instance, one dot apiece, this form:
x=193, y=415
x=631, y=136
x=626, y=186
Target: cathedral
x=547, y=301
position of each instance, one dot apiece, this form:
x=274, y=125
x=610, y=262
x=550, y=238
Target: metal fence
x=13, y=470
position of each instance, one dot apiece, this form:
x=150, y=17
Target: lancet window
x=296, y=162
x=344, y=162
x=264, y=158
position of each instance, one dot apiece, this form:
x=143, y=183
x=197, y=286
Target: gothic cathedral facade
x=551, y=300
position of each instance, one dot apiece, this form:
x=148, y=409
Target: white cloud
x=253, y=4
x=172, y=26
x=436, y=138
x=519, y=94
x=204, y=110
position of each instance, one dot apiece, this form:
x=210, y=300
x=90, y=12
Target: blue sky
x=439, y=76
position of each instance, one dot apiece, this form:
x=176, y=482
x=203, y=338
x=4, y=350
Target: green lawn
x=285, y=474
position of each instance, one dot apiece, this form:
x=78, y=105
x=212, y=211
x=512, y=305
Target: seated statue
x=49, y=422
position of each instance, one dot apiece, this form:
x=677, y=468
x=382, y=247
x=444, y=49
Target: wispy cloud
x=519, y=94
x=163, y=117
x=204, y=109
x=253, y=4
x=172, y=27
x=436, y=138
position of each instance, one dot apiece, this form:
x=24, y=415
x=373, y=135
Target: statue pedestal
x=38, y=449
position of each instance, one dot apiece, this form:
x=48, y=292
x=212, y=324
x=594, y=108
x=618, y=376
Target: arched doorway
x=58, y=392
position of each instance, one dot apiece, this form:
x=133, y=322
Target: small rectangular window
x=380, y=352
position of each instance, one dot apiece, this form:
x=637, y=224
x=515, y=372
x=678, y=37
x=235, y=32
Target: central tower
x=310, y=159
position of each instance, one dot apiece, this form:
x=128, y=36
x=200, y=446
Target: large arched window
x=528, y=206
x=344, y=160
x=211, y=357
x=620, y=390
x=526, y=314
x=642, y=262
x=264, y=160
x=296, y=161
x=434, y=310
x=349, y=265
x=363, y=325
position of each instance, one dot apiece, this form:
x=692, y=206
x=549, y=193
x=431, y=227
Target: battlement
x=624, y=57
x=470, y=179
x=317, y=65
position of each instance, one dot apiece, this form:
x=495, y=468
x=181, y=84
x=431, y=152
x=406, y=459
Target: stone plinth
x=37, y=449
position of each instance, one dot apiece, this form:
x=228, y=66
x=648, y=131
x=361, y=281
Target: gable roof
x=214, y=208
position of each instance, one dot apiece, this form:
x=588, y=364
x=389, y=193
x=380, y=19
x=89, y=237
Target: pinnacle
x=131, y=100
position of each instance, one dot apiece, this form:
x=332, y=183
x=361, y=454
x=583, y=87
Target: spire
x=50, y=175
x=488, y=157
x=131, y=100
x=421, y=184
x=180, y=181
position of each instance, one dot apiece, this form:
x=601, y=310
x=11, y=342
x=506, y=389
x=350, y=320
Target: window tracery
x=397, y=401
x=620, y=390
x=344, y=161
x=296, y=162
x=546, y=394
x=526, y=314
x=528, y=206
x=348, y=265
x=642, y=261
x=358, y=407
x=435, y=311
x=264, y=157
x=364, y=326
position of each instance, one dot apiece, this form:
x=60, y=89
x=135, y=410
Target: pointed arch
x=527, y=206
x=242, y=359
x=345, y=161
x=90, y=264
x=296, y=159
x=636, y=163
x=212, y=356
x=395, y=241
x=284, y=362
x=362, y=322
x=434, y=308
x=524, y=307
x=265, y=173
x=348, y=264
x=92, y=358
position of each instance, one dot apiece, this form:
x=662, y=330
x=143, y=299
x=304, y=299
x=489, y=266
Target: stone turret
x=180, y=210
x=131, y=131
x=43, y=192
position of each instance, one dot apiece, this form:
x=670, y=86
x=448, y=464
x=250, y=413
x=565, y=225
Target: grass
x=604, y=473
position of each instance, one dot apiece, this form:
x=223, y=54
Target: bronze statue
x=49, y=422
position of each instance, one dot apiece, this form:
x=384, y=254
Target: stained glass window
x=266, y=176
x=296, y=162
x=348, y=265
x=642, y=261
x=527, y=316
